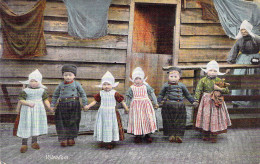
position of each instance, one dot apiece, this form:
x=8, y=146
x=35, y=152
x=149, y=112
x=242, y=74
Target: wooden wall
x=92, y=57
x=200, y=41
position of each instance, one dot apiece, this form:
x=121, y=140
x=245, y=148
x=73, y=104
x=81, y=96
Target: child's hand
x=31, y=105
x=156, y=106
x=86, y=108
x=51, y=109
x=217, y=88
x=126, y=110
x=196, y=104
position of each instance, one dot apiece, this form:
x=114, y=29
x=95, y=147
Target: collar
x=68, y=82
x=246, y=38
x=173, y=83
x=214, y=77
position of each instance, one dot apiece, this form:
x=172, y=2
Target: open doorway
x=153, y=28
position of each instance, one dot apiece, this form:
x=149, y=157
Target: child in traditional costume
x=212, y=117
x=173, y=109
x=108, y=127
x=68, y=111
x=33, y=118
x=142, y=120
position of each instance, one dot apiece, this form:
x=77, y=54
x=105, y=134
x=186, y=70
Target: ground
x=239, y=146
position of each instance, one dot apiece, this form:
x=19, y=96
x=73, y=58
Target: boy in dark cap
x=68, y=110
x=173, y=109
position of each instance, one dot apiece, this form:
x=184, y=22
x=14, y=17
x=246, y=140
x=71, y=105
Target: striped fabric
x=106, y=126
x=141, y=115
x=210, y=118
x=33, y=121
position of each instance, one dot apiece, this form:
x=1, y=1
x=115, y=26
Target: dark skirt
x=120, y=127
x=174, y=118
x=67, y=119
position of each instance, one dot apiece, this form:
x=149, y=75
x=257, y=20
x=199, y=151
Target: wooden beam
x=115, y=42
x=219, y=42
x=130, y=44
x=202, y=55
x=193, y=16
x=52, y=70
x=76, y=54
x=222, y=66
x=65, y=40
x=202, y=29
x=57, y=9
x=114, y=28
x=176, y=35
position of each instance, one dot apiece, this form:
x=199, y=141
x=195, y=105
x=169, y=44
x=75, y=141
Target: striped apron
x=141, y=115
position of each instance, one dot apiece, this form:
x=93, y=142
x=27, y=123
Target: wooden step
x=245, y=120
x=241, y=110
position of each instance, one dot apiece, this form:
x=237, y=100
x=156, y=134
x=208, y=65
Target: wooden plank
x=89, y=87
x=193, y=16
x=202, y=55
x=158, y=1
x=113, y=2
x=82, y=55
x=192, y=4
x=206, y=42
x=64, y=40
x=52, y=70
x=118, y=42
x=57, y=9
x=222, y=66
x=202, y=29
x=114, y=28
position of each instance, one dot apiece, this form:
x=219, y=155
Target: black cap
x=69, y=68
x=174, y=69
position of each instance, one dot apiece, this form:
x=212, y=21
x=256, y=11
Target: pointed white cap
x=245, y=25
x=212, y=65
x=35, y=75
x=109, y=78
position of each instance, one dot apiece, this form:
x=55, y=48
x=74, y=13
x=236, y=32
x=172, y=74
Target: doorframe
x=176, y=33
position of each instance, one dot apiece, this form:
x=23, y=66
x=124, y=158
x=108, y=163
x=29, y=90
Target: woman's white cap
x=245, y=25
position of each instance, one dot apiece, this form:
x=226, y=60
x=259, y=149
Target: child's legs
x=180, y=120
x=24, y=141
x=174, y=118
x=75, y=116
x=168, y=115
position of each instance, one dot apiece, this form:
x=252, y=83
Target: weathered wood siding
x=200, y=41
x=93, y=57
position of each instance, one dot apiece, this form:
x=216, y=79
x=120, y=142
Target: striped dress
x=141, y=115
x=33, y=121
x=212, y=118
x=106, y=126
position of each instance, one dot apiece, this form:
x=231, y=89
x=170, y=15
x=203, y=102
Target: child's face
x=138, y=81
x=212, y=73
x=244, y=32
x=174, y=76
x=107, y=87
x=68, y=76
x=33, y=83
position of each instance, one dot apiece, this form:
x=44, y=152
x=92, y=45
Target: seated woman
x=244, y=50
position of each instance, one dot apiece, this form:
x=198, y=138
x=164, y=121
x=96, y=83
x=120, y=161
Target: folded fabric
x=232, y=13
x=23, y=35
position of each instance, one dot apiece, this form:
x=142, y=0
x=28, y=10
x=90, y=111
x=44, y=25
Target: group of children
x=212, y=117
